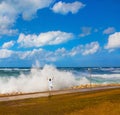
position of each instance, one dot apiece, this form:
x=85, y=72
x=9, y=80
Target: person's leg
x=50, y=91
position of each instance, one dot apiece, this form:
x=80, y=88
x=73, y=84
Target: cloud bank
x=47, y=56
x=48, y=38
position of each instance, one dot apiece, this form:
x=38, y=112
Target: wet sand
x=46, y=94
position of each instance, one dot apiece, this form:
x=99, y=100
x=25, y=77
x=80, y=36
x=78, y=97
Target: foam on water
x=107, y=76
x=37, y=80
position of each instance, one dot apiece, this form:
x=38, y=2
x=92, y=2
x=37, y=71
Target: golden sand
x=93, y=85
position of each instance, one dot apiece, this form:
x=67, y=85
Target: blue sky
x=76, y=33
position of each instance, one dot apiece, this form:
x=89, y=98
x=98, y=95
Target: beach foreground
x=100, y=101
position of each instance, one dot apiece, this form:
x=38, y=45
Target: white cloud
x=61, y=52
x=35, y=53
x=109, y=30
x=4, y=53
x=32, y=6
x=43, y=55
x=113, y=41
x=39, y=54
x=8, y=44
x=48, y=38
x=76, y=50
x=11, y=9
x=87, y=49
x=49, y=56
x=7, y=18
x=64, y=8
x=91, y=48
x=85, y=31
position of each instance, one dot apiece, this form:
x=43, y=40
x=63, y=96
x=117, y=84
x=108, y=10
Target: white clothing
x=50, y=84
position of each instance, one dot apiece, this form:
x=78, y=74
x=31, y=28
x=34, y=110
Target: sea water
x=36, y=79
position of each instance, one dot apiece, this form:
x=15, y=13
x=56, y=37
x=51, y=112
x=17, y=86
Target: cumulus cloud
x=7, y=18
x=48, y=56
x=91, y=48
x=76, y=50
x=87, y=49
x=42, y=54
x=113, y=41
x=85, y=31
x=48, y=38
x=52, y=56
x=65, y=8
x=39, y=54
x=11, y=9
x=61, y=51
x=8, y=44
x=4, y=53
x=35, y=53
x=109, y=30
x=32, y=6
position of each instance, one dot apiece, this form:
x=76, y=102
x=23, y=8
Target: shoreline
x=73, y=88
x=21, y=96
x=95, y=85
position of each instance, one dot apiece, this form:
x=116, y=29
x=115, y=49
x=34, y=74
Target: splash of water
x=37, y=80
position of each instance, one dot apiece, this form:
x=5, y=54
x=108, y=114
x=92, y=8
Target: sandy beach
x=83, y=101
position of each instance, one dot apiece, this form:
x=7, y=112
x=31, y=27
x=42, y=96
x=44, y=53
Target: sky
x=64, y=33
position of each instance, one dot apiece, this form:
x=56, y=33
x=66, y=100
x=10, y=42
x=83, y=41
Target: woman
x=50, y=84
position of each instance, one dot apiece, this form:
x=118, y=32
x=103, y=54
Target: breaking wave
x=28, y=80
x=37, y=80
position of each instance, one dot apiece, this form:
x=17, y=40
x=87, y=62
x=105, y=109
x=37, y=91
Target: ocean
x=36, y=79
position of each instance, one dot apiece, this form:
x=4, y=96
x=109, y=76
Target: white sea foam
x=14, y=69
x=84, y=81
x=6, y=69
x=37, y=80
x=116, y=70
x=106, y=75
x=107, y=69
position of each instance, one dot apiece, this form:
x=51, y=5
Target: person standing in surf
x=50, y=85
